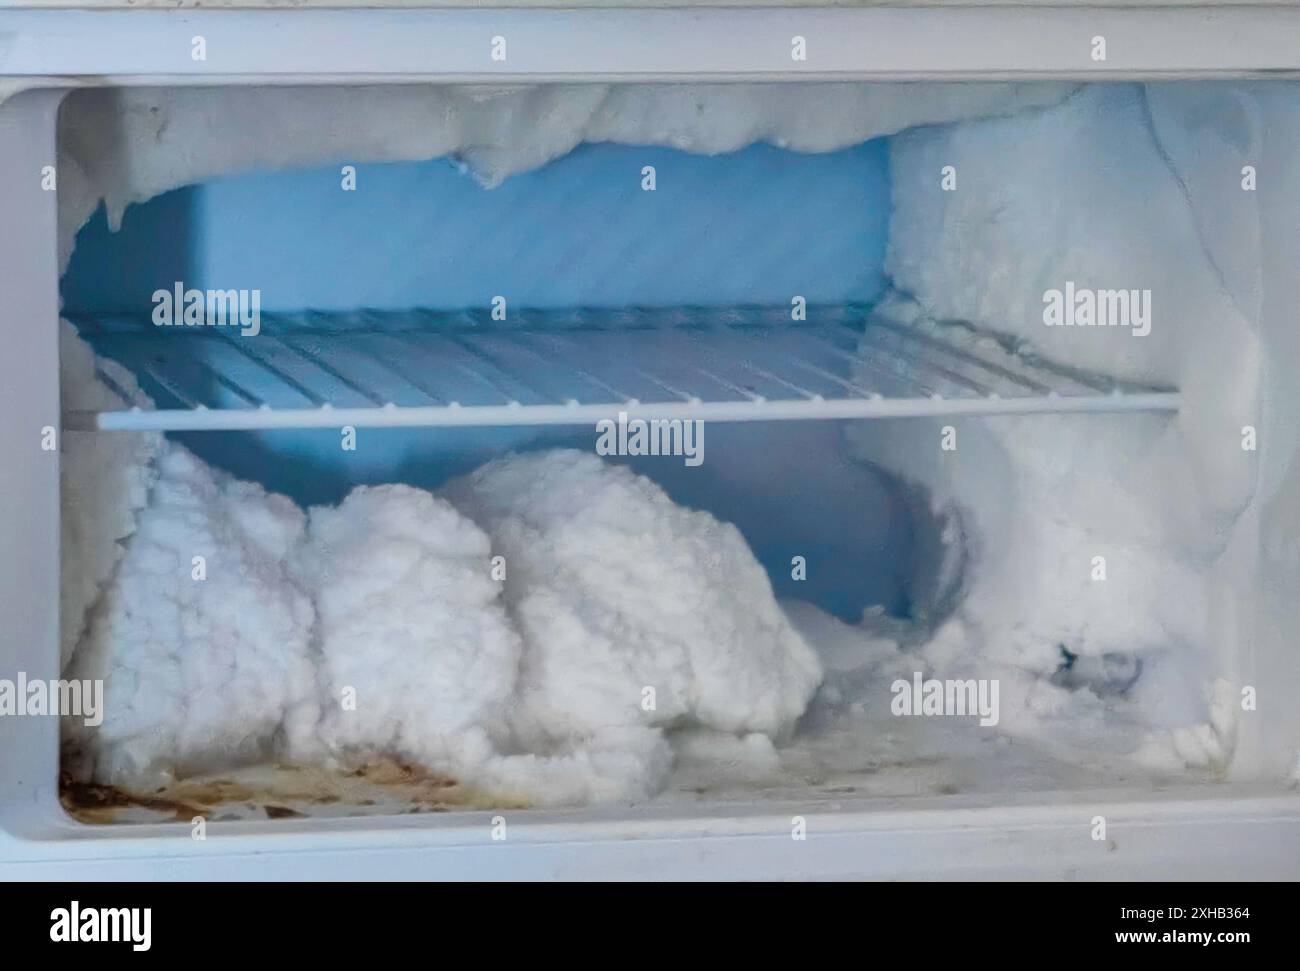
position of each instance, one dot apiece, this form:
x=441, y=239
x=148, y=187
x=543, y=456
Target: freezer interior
x=431, y=448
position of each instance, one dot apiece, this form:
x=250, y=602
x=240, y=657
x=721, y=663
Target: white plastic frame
x=1229, y=831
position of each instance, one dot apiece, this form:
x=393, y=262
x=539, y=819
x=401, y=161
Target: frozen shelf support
x=588, y=414
x=429, y=369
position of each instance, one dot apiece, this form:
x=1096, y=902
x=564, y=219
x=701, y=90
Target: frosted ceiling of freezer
x=606, y=225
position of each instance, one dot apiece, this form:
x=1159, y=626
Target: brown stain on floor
x=379, y=787
x=91, y=802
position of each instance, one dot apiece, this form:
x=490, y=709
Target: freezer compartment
x=954, y=433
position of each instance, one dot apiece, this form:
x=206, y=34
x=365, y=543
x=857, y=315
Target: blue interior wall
x=756, y=226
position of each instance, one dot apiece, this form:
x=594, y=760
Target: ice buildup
x=635, y=612
x=202, y=634
x=417, y=657
x=104, y=480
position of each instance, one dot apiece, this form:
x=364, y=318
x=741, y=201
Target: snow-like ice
x=202, y=635
x=104, y=482
x=1089, y=192
x=129, y=144
x=417, y=657
x=377, y=629
x=635, y=611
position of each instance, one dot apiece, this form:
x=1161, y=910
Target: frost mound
x=105, y=482
x=417, y=655
x=205, y=662
x=375, y=629
x=635, y=612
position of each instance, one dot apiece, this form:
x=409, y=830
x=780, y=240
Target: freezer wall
x=1121, y=186
x=1276, y=660
x=591, y=229
x=1124, y=186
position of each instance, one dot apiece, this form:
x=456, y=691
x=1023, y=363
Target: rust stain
x=282, y=812
x=379, y=787
x=94, y=803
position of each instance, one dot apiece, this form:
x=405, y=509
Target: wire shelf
x=575, y=367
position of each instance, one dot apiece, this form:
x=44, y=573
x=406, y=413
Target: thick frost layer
x=619, y=592
x=104, y=482
x=419, y=660
x=205, y=663
x=377, y=631
x=417, y=656
x=1087, y=195
x=127, y=145
x=1210, y=133
x=1083, y=192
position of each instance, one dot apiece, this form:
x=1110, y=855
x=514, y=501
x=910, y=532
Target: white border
x=1215, y=832
x=648, y=44
x=1231, y=834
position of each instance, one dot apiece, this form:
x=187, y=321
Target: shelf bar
x=412, y=341
x=868, y=362
x=169, y=386
x=919, y=363
x=584, y=414
x=401, y=373
x=580, y=372
x=486, y=359
x=826, y=375
x=910, y=333
x=777, y=379
x=270, y=368
x=317, y=361
x=118, y=391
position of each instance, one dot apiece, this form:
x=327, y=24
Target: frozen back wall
x=755, y=226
